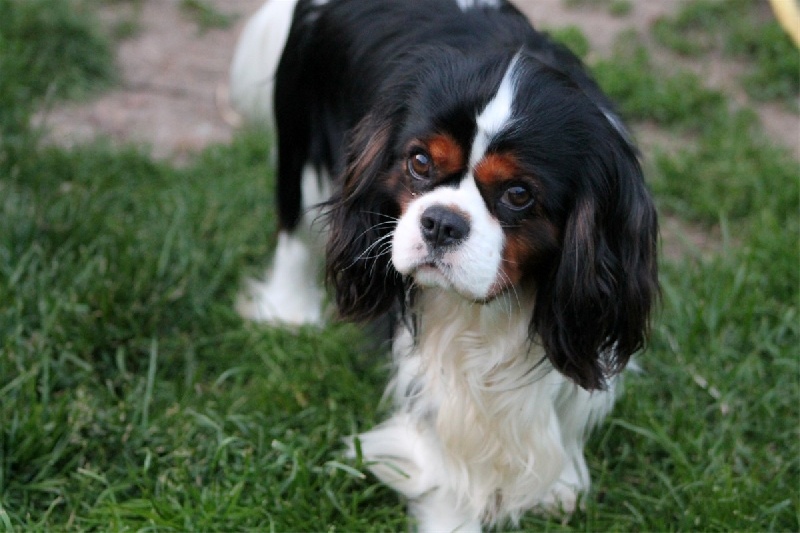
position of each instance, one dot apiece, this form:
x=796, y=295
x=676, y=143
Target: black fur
x=359, y=78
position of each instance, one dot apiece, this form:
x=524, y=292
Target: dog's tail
x=258, y=52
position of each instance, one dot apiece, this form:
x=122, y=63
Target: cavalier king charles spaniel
x=477, y=186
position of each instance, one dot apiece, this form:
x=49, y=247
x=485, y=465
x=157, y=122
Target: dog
x=478, y=187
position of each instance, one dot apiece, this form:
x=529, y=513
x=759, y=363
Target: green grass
x=617, y=8
x=205, y=15
x=132, y=394
x=742, y=29
x=63, y=52
x=674, y=101
x=573, y=38
x=729, y=168
x=132, y=397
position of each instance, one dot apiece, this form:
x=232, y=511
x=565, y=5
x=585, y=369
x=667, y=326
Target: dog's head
x=482, y=177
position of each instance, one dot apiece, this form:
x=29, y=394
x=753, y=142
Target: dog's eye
x=517, y=198
x=419, y=165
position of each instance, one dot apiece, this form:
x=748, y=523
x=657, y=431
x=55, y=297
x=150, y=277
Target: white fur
x=484, y=430
x=472, y=268
x=291, y=293
x=255, y=61
x=495, y=117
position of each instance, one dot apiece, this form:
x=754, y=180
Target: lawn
x=132, y=397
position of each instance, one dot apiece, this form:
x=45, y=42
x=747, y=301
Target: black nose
x=443, y=227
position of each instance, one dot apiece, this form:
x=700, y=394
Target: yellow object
x=788, y=14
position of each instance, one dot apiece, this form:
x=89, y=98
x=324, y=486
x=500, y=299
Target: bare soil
x=174, y=75
x=174, y=78
x=172, y=72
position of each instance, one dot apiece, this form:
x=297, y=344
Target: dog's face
x=473, y=218
x=484, y=178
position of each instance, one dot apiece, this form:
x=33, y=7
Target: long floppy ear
x=361, y=218
x=593, y=312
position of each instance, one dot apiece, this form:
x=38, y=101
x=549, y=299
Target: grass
x=742, y=29
x=132, y=396
x=617, y=8
x=205, y=15
x=63, y=52
x=137, y=395
x=735, y=165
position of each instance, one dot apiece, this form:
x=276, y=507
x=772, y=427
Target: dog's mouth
x=433, y=272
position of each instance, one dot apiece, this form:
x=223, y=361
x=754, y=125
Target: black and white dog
x=476, y=182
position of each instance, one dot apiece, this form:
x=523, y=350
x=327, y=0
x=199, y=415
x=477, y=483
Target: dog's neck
x=476, y=341
x=473, y=374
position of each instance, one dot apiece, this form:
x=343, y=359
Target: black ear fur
x=360, y=215
x=593, y=311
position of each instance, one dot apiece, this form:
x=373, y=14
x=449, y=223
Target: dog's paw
x=271, y=303
x=399, y=456
x=563, y=499
x=291, y=294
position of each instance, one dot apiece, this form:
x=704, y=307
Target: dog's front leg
x=438, y=511
x=402, y=453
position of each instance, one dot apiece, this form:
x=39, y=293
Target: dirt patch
x=717, y=71
x=596, y=22
x=173, y=75
x=171, y=71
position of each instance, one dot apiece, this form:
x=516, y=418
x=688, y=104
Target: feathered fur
x=486, y=192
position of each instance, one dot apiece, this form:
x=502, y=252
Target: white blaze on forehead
x=473, y=268
x=495, y=116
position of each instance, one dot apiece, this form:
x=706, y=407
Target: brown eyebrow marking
x=447, y=154
x=494, y=168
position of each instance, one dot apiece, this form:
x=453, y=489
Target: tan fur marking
x=496, y=167
x=446, y=153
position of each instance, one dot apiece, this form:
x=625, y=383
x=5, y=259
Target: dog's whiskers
x=365, y=254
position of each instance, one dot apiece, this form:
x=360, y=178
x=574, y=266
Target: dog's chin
x=432, y=275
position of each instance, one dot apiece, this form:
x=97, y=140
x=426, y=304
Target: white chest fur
x=483, y=428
